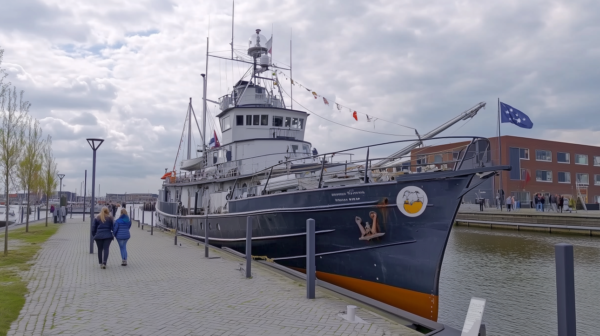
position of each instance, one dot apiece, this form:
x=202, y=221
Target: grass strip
x=22, y=247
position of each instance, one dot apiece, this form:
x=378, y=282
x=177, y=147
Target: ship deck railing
x=316, y=171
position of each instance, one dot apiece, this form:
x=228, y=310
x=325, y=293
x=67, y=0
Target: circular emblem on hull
x=411, y=201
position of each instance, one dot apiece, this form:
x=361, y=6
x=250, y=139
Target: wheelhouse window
x=581, y=159
x=277, y=121
x=543, y=176
x=264, y=120
x=295, y=123
x=248, y=120
x=597, y=161
x=306, y=149
x=288, y=122
x=239, y=120
x=563, y=157
x=301, y=123
x=583, y=178
x=256, y=120
x=226, y=123
x=543, y=155
x=564, y=177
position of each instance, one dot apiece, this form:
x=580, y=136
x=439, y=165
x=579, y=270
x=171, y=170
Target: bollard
x=142, y=216
x=130, y=212
x=248, y=247
x=176, y=228
x=310, y=259
x=351, y=311
x=152, y=224
x=39, y=212
x=21, y=214
x=565, y=289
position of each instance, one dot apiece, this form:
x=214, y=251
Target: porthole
x=218, y=227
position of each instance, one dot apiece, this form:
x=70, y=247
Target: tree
x=49, y=172
x=13, y=110
x=31, y=162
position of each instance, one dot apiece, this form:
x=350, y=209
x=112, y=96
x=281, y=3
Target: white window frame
x=558, y=179
x=596, y=161
x=577, y=179
x=596, y=179
x=546, y=181
x=544, y=150
x=528, y=154
x=568, y=157
x=586, y=159
x=226, y=123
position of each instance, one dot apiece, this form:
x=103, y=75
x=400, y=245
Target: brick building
x=538, y=166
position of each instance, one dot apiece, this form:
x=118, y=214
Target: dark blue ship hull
x=398, y=263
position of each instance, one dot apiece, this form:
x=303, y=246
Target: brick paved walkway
x=171, y=290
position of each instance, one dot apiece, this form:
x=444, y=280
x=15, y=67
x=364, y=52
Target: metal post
x=22, y=211
x=565, y=289
x=248, y=247
x=367, y=167
x=152, y=224
x=61, y=218
x=176, y=228
x=310, y=259
x=142, y=219
x=38, y=212
x=95, y=146
x=84, y=194
x=206, y=231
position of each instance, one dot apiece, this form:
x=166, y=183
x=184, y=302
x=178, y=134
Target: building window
x=421, y=159
x=564, y=177
x=543, y=176
x=437, y=158
x=543, y=155
x=264, y=120
x=583, y=178
x=597, y=179
x=581, y=159
x=563, y=157
x=239, y=120
x=248, y=120
x=597, y=161
x=455, y=156
x=226, y=123
x=524, y=153
x=277, y=121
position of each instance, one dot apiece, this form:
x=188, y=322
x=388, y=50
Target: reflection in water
x=515, y=272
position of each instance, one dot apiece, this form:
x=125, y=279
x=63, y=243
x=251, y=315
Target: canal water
x=515, y=272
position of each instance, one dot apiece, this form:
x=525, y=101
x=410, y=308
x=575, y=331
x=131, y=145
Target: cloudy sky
x=124, y=71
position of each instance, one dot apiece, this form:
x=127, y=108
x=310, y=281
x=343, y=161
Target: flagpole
x=291, y=76
x=500, y=189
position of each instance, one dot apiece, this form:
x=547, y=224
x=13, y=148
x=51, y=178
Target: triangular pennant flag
x=355, y=115
x=325, y=101
x=339, y=106
x=314, y=94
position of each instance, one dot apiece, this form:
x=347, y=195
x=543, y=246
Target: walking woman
x=122, y=226
x=103, y=235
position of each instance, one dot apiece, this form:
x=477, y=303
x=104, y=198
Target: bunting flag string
x=338, y=105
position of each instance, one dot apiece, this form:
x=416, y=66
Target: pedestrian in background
x=543, y=201
x=508, y=203
x=122, y=226
x=113, y=208
x=103, y=235
x=554, y=202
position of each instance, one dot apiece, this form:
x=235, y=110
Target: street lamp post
x=84, y=194
x=60, y=176
x=95, y=144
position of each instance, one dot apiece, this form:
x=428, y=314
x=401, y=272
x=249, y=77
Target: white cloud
x=126, y=70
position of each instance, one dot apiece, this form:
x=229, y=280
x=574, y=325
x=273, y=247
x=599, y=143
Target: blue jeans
x=123, y=247
x=539, y=207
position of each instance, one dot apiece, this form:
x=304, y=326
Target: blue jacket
x=122, y=226
x=103, y=230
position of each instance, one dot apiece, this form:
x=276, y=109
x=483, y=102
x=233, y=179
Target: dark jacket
x=103, y=230
x=122, y=226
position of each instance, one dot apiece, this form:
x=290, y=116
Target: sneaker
x=103, y=266
x=124, y=262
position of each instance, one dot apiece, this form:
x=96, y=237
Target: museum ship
x=382, y=223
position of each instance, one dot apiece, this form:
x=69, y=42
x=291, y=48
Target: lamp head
x=60, y=176
x=95, y=143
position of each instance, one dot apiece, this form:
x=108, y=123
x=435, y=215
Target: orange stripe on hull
x=424, y=305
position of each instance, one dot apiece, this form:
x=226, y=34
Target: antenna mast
x=189, y=149
x=232, y=20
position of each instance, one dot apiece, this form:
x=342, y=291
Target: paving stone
x=171, y=290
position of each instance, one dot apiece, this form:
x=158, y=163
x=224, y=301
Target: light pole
x=60, y=176
x=95, y=144
x=84, y=194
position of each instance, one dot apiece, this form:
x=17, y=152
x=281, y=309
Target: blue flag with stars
x=509, y=114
